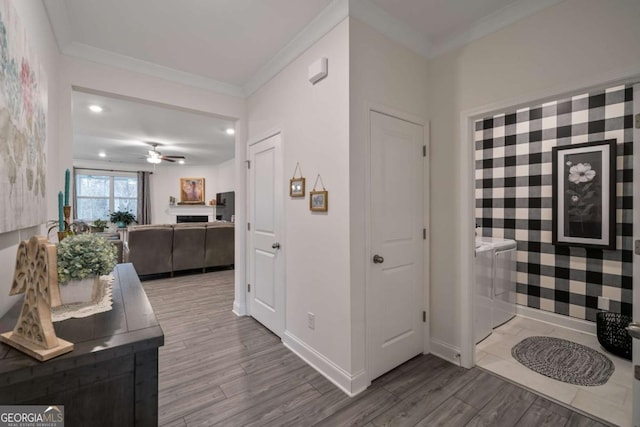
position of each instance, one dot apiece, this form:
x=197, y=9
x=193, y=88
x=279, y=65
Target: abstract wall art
x=23, y=124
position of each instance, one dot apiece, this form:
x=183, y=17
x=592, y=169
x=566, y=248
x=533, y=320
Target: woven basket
x=612, y=333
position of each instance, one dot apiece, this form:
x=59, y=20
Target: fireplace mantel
x=176, y=210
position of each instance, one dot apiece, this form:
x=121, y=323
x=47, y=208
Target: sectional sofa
x=166, y=248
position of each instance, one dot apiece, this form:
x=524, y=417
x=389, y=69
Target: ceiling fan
x=154, y=156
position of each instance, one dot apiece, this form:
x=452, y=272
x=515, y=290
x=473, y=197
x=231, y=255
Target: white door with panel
x=266, y=291
x=395, y=328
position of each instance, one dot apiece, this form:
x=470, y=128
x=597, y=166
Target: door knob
x=634, y=330
x=276, y=245
x=377, y=259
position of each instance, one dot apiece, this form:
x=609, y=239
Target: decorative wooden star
x=36, y=276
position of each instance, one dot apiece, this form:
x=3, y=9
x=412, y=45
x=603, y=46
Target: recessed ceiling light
x=231, y=131
x=181, y=162
x=95, y=108
x=102, y=154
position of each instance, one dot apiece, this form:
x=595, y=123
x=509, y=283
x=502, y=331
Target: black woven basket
x=612, y=333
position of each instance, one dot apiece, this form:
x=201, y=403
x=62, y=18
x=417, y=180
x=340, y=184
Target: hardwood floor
x=217, y=369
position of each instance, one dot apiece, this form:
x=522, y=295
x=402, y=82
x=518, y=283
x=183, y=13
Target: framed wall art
x=191, y=191
x=296, y=184
x=296, y=187
x=584, y=194
x=319, y=201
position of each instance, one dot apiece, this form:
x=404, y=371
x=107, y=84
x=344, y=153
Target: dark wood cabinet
x=111, y=376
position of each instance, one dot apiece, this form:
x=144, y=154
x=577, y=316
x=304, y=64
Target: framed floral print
x=584, y=195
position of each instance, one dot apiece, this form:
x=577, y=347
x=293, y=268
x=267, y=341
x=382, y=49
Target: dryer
x=495, y=284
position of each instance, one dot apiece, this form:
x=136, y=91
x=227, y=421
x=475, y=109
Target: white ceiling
x=224, y=40
x=123, y=128
x=232, y=46
x=441, y=20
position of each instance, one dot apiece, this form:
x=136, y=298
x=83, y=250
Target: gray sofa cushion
x=151, y=248
x=219, y=245
x=188, y=247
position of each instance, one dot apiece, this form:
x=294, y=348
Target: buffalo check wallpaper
x=514, y=200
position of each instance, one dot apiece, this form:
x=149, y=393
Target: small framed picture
x=319, y=201
x=296, y=187
x=584, y=195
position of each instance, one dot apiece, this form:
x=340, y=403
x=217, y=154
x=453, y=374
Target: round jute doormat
x=564, y=360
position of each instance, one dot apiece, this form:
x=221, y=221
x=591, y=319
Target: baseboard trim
x=445, y=351
x=238, y=309
x=348, y=383
x=557, y=319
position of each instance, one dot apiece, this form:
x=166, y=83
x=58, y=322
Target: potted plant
x=99, y=225
x=122, y=218
x=82, y=259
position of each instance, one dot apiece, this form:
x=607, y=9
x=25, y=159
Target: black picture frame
x=584, y=194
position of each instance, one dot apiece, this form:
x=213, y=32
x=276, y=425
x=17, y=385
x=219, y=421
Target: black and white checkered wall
x=514, y=200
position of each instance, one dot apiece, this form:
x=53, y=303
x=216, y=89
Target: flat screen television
x=225, y=205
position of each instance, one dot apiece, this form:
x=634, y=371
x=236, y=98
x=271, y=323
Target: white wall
x=35, y=21
x=165, y=182
x=573, y=45
x=314, y=120
x=382, y=74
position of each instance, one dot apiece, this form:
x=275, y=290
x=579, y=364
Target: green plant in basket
x=85, y=255
x=99, y=225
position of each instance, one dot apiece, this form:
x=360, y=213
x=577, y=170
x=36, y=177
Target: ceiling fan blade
x=167, y=160
x=172, y=157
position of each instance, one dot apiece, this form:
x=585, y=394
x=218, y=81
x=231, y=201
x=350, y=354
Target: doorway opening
x=557, y=291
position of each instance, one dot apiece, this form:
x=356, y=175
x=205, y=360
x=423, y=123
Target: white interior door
x=266, y=258
x=636, y=257
x=395, y=288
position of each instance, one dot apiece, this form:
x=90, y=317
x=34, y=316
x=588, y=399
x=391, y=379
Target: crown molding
x=324, y=22
x=392, y=27
x=90, y=53
x=59, y=19
x=492, y=23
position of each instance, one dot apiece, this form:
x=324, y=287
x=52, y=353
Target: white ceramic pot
x=80, y=291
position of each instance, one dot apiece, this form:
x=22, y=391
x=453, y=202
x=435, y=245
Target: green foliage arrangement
x=122, y=216
x=99, y=225
x=85, y=255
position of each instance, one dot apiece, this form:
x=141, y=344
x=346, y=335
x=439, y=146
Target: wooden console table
x=110, y=378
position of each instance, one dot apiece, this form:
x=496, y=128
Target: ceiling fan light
x=154, y=159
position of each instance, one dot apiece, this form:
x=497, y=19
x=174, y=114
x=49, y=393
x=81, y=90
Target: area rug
x=564, y=360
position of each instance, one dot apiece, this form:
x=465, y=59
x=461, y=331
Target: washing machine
x=504, y=281
x=483, y=292
x=495, y=284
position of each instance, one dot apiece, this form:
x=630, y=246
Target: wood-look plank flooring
x=217, y=369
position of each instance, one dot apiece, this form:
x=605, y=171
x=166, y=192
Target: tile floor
x=610, y=402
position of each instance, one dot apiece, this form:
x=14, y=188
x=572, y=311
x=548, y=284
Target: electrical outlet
x=603, y=303
x=311, y=320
